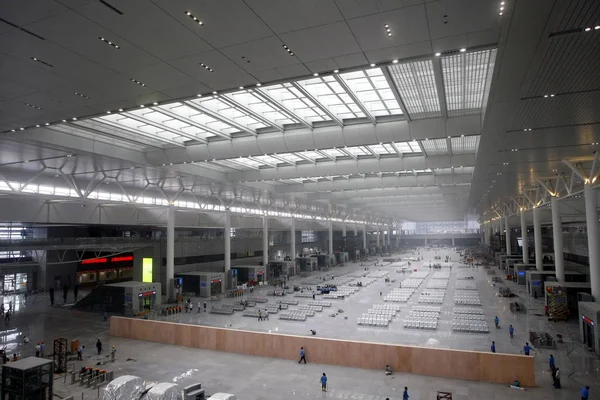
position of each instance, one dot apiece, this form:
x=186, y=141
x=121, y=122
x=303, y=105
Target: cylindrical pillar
x=355, y=231
x=170, y=251
x=227, y=240
x=524, y=240
x=330, y=238
x=453, y=241
x=508, y=238
x=344, y=230
x=293, y=240
x=501, y=228
x=365, y=238
x=559, y=259
x=591, y=218
x=378, y=234
x=537, y=238
x=265, y=241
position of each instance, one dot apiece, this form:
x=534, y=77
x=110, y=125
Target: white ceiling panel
x=293, y=71
x=24, y=12
x=226, y=23
x=415, y=82
x=457, y=17
x=407, y=25
x=407, y=51
x=144, y=25
x=260, y=54
x=321, y=42
x=359, y=8
x=293, y=15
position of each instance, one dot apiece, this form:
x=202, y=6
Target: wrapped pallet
x=126, y=387
x=164, y=391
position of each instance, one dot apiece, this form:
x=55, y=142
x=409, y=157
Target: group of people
x=555, y=371
x=189, y=305
x=7, y=313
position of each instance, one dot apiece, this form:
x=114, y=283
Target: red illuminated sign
x=95, y=261
x=105, y=260
x=146, y=294
x=586, y=319
x=121, y=258
x=215, y=281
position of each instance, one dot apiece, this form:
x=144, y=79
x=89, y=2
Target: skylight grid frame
x=332, y=96
x=465, y=144
x=415, y=83
x=371, y=88
x=294, y=100
x=260, y=107
x=435, y=147
x=465, y=78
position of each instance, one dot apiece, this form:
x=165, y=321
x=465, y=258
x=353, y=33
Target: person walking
x=99, y=346
x=585, y=393
x=405, y=395
x=42, y=348
x=204, y=306
x=526, y=348
x=557, y=378
x=113, y=353
x=80, y=353
x=324, y=382
x=493, y=347
x=105, y=316
x=511, y=331
x=553, y=373
x=551, y=362
x=37, y=349
x=199, y=307
x=259, y=315
x=497, y=321
x=302, y=355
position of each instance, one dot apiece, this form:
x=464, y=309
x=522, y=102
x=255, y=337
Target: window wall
x=439, y=227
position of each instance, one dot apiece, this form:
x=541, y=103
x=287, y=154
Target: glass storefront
x=14, y=283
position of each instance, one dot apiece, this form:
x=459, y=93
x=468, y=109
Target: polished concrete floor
x=277, y=379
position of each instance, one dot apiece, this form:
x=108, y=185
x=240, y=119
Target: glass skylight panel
x=332, y=96
x=230, y=113
x=357, y=150
x=415, y=82
x=372, y=89
x=434, y=147
x=142, y=128
x=233, y=164
x=267, y=160
x=294, y=100
x=333, y=152
x=201, y=118
x=289, y=157
x=247, y=161
x=465, y=144
x=261, y=107
x=465, y=77
x=380, y=149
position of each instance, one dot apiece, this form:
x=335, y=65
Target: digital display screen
x=147, y=269
x=522, y=273
x=520, y=241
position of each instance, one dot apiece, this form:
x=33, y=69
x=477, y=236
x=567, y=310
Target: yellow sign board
x=146, y=269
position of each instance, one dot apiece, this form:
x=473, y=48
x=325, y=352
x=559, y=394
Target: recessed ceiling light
x=108, y=42
x=37, y=126
x=206, y=67
x=316, y=74
x=462, y=135
x=463, y=50
x=215, y=92
x=47, y=123
x=438, y=54
x=588, y=29
x=120, y=110
x=21, y=129
x=42, y=62
x=290, y=52
x=372, y=64
x=551, y=95
x=258, y=84
x=137, y=82
x=501, y=8
x=241, y=87
x=199, y=95
x=597, y=27
x=155, y=103
x=108, y=112
x=74, y=118
x=394, y=61
x=64, y=120
x=189, y=14
x=545, y=95
x=500, y=13
x=142, y=106
x=335, y=71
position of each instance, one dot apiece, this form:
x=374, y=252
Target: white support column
x=508, y=238
x=378, y=234
x=537, y=238
x=591, y=218
x=365, y=238
x=524, y=238
x=355, y=231
x=293, y=240
x=453, y=241
x=227, y=240
x=344, y=230
x=330, y=237
x=501, y=228
x=265, y=241
x=559, y=258
x=170, y=252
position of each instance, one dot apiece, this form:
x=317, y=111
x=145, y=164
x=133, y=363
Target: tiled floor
x=277, y=379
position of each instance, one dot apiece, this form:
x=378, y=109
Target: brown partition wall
x=459, y=364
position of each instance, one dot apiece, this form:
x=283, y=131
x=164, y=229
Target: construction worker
x=113, y=353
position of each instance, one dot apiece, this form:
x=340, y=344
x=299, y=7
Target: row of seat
x=470, y=326
x=371, y=321
x=420, y=324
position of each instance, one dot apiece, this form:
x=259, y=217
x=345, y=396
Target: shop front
x=101, y=270
x=14, y=283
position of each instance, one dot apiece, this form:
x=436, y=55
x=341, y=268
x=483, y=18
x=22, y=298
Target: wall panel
x=457, y=364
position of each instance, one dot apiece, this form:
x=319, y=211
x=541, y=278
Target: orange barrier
x=458, y=364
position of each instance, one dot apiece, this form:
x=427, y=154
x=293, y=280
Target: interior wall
x=456, y=364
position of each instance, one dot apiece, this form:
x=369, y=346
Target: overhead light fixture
x=74, y=118
x=137, y=82
x=155, y=103
x=597, y=27
x=335, y=71
x=552, y=95
x=196, y=20
x=438, y=54
x=81, y=95
x=241, y=88
x=463, y=50
x=33, y=106
x=259, y=84
x=214, y=92
x=42, y=62
x=21, y=129
x=395, y=61
x=372, y=64
x=108, y=112
x=206, y=67
x=64, y=120
x=142, y=106
x=109, y=42
x=545, y=95
x=587, y=29
x=37, y=126
x=120, y=110
x=290, y=52
x=12, y=130
x=199, y=95
x=316, y=74
x=388, y=30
